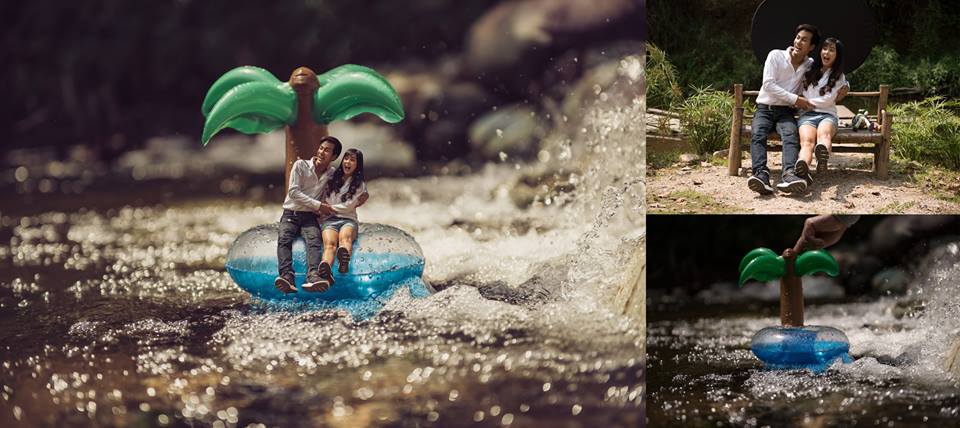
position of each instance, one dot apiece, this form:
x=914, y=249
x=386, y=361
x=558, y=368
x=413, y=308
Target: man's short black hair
x=815, y=39
x=336, y=144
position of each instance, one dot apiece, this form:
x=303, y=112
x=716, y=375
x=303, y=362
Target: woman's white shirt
x=826, y=103
x=348, y=208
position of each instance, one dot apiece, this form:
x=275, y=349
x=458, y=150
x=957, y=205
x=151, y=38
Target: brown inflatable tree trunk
x=791, y=292
x=303, y=137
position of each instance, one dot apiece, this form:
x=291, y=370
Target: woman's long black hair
x=813, y=75
x=336, y=182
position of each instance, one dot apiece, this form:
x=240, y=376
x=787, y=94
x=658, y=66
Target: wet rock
x=518, y=37
x=890, y=281
x=951, y=361
x=445, y=121
x=547, y=187
x=513, y=130
x=615, y=80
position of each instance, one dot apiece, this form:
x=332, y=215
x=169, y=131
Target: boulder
x=513, y=130
x=520, y=35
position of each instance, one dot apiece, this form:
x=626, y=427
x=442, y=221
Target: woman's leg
x=347, y=235
x=330, y=240
x=825, y=134
x=808, y=139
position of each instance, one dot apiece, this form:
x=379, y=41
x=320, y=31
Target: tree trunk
x=303, y=137
x=791, y=293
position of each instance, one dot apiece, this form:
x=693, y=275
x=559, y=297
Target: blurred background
x=879, y=256
x=113, y=88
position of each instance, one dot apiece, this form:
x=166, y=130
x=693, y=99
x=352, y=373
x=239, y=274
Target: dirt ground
x=848, y=186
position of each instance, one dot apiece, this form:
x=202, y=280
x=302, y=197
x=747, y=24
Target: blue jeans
x=764, y=121
x=293, y=223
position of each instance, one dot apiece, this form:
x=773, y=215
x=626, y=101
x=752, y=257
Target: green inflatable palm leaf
x=763, y=267
x=252, y=108
x=350, y=90
x=756, y=252
x=232, y=79
x=812, y=262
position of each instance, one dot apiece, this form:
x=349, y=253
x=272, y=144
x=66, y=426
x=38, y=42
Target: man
x=777, y=104
x=303, y=214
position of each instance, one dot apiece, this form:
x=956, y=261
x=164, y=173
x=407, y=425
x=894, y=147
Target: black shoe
x=760, y=184
x=822, y=155
x=315, y=283
x=325, y=273
x=343, y=257
x=802, y=170
x=790, y=183
x=285, y=283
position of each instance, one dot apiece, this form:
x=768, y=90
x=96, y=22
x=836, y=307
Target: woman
x=343, y=192
x=821, y=84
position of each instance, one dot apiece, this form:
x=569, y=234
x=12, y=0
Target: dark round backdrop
x=851, y=21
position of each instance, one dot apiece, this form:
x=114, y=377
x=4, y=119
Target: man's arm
x=295, y=193
x=770, y=84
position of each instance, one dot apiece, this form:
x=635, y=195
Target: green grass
x=928, y=131
x=664, y=159
x=690, y=201
x=895, y=208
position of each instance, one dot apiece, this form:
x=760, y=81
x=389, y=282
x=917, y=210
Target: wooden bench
x=846, y=141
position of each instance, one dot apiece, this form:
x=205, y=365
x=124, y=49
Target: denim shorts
x=813, y=118
x=337, y=223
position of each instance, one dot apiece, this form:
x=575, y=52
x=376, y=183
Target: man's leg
x=310, y=229
x=761, y=126
x=289, y=229
x=763, y=123
x=790, y=136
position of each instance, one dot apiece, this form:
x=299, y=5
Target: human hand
x=843, y=92
x=325, y=209
x=363, y=199
x=819, y=232
x=803, y=104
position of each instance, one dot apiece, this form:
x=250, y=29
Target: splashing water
x=701, y=368
x=126, y=316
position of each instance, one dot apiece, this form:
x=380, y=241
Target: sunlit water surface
x=701, y=371
x=126, y=316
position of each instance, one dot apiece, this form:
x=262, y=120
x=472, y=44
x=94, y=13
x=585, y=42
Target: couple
x=321, y=197
x=793, y=81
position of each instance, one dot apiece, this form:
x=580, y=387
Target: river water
x=701, y=371
x=115, y=307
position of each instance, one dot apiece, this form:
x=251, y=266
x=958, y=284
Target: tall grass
x=706, y=116
x=928, y=131
x=663, y=91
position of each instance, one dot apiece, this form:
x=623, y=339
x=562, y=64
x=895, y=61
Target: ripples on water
x=701, y=370
x=126, y=316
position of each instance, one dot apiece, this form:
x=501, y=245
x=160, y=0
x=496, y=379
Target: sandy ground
x=848, y=186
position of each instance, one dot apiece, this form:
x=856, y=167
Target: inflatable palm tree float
x=793, y=345
x=251, y=100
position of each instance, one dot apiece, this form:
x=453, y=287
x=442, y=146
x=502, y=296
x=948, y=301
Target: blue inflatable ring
x=793, y=348
x=385, y=259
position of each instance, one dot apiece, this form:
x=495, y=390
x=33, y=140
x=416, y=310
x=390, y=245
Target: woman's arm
x=350, y=205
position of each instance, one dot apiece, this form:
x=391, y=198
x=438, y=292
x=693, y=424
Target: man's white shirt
x=305, y=186
x=781, y=82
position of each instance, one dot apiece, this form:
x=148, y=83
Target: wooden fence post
x=733, y=155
